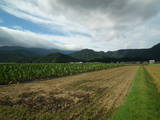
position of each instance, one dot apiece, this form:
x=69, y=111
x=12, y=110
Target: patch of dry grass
x=154, y=70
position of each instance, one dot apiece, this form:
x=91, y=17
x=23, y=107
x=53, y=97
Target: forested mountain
x=20, y=54
x=119, y=55
x=56, y=58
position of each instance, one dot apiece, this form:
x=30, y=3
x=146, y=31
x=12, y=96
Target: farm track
x=92, y=96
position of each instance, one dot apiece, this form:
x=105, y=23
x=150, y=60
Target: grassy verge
x=143, y=102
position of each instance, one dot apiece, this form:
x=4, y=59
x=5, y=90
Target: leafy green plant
x=13, y=73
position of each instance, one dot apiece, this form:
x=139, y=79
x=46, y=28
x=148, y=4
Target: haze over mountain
x=22, y=54
x=38, y=51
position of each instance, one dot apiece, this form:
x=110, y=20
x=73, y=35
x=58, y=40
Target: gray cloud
x=11, y=37
x=113, y=24
x=6, y=39
x=24, y=38
x=118, y=10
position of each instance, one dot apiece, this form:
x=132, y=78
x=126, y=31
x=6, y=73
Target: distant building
x=151, y=61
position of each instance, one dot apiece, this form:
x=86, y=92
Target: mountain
x=130, y=53
x=16, y=56
x=38, y=51
x=88, y=55
x=155, y=52
x=151, y=53
x=56, y=58
x=119, y=55
x=22, y=54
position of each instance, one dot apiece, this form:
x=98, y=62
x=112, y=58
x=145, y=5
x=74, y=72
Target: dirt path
x=88, y=96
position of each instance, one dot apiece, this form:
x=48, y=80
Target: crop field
x=154, y=70
x=143, y=102
x=13, y=73
x=88, y=96
x=129, y=92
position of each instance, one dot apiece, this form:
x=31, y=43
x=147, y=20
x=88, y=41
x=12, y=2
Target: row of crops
x=13, y=73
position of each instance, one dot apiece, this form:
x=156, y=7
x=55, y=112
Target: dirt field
x=154, y=71
x=88, y=96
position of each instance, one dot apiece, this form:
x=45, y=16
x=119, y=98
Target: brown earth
x=88, y=96
x=154, y=71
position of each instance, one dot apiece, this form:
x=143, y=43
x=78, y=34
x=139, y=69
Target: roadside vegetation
x=13, y=73
x=142, y=102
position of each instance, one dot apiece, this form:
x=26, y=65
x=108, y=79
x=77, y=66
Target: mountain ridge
x=120, y=55
x=21, y=54
x=56, y=58
x=38, y=51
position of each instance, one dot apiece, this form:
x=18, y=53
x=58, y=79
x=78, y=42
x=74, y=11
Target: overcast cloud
x=96, y=24
x=117, y=9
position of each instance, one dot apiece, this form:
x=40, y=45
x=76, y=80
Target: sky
x=102, y=25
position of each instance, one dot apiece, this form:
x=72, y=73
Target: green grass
x=143, y=102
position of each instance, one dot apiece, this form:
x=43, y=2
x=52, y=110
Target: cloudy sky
x=78, y=24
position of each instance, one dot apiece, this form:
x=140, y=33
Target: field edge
x=142, y=103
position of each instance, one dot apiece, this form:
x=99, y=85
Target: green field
x=13, y=73
x=143, y=102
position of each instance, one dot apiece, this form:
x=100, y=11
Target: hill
x=88, y=55
x=38, y=51
x=151, y=53
x=56, y=58
x=119, y=55
x=17, y=56
x=22, y=54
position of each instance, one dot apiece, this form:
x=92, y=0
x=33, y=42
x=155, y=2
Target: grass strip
x=143, y=102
